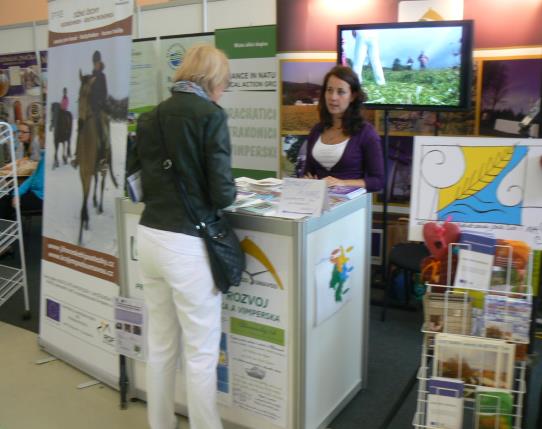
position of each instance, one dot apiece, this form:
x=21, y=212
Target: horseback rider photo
x=61, y=124
x=98, y=99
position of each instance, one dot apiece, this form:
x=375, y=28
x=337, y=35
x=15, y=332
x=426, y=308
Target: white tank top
x=328, y=154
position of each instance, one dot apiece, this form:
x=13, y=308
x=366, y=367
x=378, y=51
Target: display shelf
x=7, y=184
x=8, y=234
x=470, y=406
x=477, y=336
x=456, y=311
x=11, y=278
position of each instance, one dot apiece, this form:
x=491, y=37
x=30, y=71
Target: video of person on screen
x=406, y=66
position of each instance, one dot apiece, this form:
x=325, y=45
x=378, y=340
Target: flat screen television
x=425, y=65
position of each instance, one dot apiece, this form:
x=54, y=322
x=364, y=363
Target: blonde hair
x=206, y=66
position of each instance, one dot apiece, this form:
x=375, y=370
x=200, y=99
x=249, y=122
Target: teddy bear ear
x=432, y=236
x=451, y=232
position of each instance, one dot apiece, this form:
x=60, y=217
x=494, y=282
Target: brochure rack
x=11, y=279
x=449, y=310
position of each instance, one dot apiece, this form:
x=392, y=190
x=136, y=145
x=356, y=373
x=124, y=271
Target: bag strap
x=183, y=194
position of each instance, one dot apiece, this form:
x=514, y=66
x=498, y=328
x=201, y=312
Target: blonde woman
x=179, y=290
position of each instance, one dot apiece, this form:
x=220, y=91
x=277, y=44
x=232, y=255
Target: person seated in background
x=343, y=149
x=30, y=192
x=26, y=144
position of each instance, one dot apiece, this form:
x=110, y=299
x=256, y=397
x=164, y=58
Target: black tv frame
x=465, y=85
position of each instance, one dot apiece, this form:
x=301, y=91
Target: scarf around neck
x=190, y=87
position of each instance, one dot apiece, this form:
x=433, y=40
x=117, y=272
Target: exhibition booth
x=294, y=341
x=280, y=342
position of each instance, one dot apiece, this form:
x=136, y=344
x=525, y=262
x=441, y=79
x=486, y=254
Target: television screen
x=410, y=65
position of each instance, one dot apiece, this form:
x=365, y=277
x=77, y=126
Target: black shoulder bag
x=226, y=256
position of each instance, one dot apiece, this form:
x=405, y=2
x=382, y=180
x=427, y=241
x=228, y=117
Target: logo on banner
x=52, y=309
x=175, y=55
x=252, y=249
x=104, y=329
x=341, y=271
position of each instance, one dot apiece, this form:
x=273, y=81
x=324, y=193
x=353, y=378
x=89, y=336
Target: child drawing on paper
x=341, y=271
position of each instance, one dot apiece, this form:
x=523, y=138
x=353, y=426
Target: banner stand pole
x=123, y=382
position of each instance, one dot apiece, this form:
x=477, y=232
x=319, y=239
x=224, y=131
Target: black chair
x=406, y=257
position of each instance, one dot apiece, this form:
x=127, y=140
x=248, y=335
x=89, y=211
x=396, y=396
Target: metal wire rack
x=504, y=318
x=11, y=279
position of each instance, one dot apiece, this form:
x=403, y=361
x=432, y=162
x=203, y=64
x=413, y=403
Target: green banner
x=257, y=331
x=249, y=42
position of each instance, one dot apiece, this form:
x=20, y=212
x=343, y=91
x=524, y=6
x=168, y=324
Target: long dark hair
x=352, y=120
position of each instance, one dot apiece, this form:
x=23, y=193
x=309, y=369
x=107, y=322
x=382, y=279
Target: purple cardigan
x=362, y=158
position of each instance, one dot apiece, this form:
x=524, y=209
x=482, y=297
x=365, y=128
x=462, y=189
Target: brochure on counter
x=265, y=197
x=348, y=192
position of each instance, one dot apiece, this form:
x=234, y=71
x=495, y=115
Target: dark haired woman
x=344, y=149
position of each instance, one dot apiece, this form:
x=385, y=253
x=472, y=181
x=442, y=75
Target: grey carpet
x=394, y=353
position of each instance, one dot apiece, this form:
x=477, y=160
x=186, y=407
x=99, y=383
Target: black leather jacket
x=197, y=138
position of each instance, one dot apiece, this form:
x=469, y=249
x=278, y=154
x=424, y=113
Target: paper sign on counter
x=306, y=197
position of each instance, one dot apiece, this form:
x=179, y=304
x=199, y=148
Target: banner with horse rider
x=88, y=84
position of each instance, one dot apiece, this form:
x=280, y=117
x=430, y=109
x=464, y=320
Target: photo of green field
x=298, y=119
x=436, y=87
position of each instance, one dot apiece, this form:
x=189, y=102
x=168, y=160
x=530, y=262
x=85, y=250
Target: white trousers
x=367, y=41
x=180, y=295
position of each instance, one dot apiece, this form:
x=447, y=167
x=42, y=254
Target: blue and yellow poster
x=489, y=184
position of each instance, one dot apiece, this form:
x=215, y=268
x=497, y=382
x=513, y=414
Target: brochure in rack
x=475, y=360
x=507, y=318
x=494, y=408
x=475, y=261
x=445, y=403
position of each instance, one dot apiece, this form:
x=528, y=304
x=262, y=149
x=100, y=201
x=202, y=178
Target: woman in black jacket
x=174, y=266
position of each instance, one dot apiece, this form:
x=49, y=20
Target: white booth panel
x=241, y=13
x=16, y=39
x=42, y=32
x=167, y=21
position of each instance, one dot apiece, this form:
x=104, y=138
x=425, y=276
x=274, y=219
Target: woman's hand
x=333, y=181
x=310, y=176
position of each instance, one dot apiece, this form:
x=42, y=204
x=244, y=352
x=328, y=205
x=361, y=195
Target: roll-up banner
x=143, y=79
x=88, y=83
x=144, y=93
x=251, y=101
